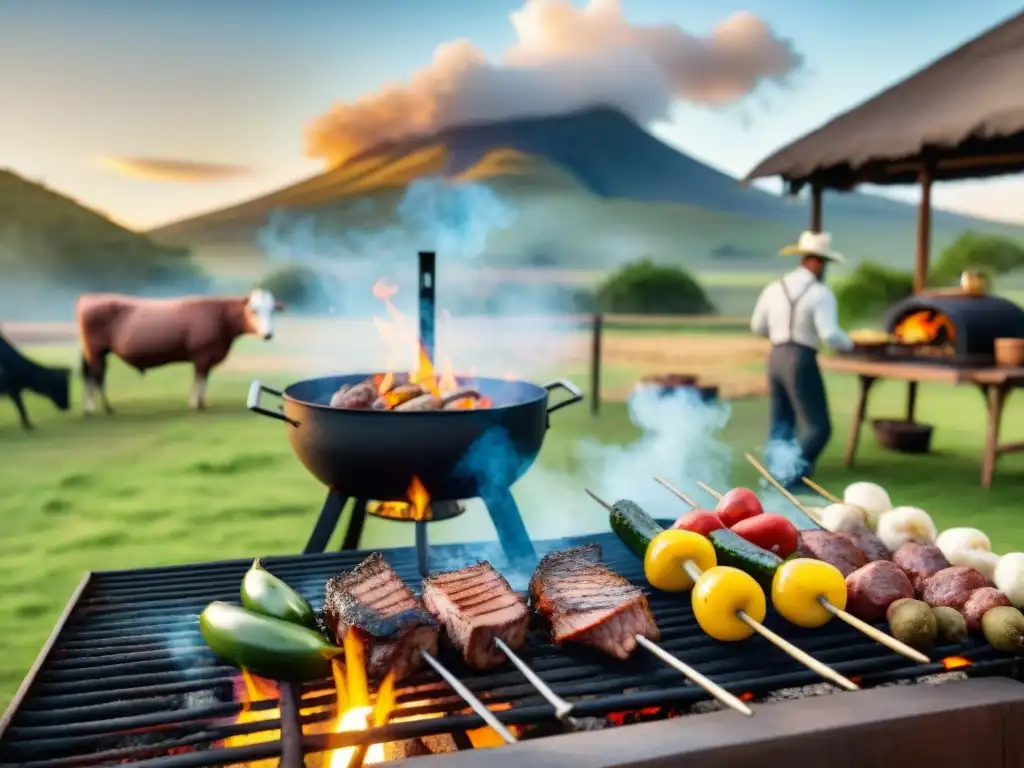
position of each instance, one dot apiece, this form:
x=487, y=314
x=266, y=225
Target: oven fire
x=925, y=327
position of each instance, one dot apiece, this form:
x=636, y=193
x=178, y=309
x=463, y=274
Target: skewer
x=562, y=707
x=874, y=633
x=821, y=491
x=467, y=696
x=685, y=669
x=779, y=487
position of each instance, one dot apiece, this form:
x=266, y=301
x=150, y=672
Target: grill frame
x=70, y=664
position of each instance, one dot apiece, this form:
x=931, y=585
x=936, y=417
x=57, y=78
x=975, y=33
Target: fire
x=419, y=500
x=355, y=712
x=955, y=662
x=254, y=689
x=399, y=338
x=924, y=327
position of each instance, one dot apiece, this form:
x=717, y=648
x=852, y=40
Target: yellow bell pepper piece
x=799, y=583
x=719, y=595
x=663, y=561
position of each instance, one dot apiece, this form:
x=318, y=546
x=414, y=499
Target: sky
x=155, y=111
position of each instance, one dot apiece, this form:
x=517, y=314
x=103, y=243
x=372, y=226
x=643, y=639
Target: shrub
x=870, y=289
x=646, y=288
x=303, y=289
x=990, y=254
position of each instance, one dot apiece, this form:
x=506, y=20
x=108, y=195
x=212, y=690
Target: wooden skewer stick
x=563, y=708
x=676, y=492
x=467, y=696
x=707, y=489
x=778, y=487
x=874, y=633
x=694, y=676
x=821, y=491
x=779, y=642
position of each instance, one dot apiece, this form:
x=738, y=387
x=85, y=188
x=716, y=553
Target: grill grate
x=127, y=679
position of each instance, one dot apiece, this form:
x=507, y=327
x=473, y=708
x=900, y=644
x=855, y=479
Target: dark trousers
x=799, y=408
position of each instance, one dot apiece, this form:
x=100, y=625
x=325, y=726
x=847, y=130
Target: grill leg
x=330, y=512
x=512, y=533
x=355, y=525
x=422, y=549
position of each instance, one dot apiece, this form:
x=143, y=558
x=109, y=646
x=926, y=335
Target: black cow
x=18, y=373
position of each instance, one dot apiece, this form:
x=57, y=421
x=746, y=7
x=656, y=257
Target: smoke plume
x=165, y=169
x=565, y=58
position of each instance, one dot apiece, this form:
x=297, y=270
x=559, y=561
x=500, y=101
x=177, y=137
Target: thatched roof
x=964, y=113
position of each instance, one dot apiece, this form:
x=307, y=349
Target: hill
x=50, y=246
x=589, y=189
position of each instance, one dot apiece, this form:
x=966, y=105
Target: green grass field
x=157, y=484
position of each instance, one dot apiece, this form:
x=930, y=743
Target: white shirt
x=813, y=315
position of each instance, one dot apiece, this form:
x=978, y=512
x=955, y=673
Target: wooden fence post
x=595, y=364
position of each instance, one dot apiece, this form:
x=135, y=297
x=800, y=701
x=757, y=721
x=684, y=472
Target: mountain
x=588, y=187
x=51, y=247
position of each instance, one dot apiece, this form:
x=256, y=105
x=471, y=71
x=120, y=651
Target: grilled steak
x=587, y=602
x=372, y=600
x=872, y=588
x=832, y=548
x=952, y=587
x=476, y=605
x=919, y=561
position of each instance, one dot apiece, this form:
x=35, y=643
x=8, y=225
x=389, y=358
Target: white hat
x=814, y=244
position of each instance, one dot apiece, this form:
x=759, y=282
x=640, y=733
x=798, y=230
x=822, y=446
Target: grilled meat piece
x=359, y=396
x=873, y=587
x=832, y=548
x=587, y=602
x=919, y=561
x=394, y=624
x=953, y=587
x=981, y=602
x=868, y=543
x=475, y=604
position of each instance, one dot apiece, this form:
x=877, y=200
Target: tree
x=990, y=254
x=871, y=289
x=646, y=288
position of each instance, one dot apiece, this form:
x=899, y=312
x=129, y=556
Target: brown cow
x=148, y=333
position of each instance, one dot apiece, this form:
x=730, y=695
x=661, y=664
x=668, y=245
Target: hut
x=961, y=117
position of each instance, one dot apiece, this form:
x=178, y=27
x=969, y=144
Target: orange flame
x=924, y=327
x=420, y=500
x=955, y=662
x=398, y=338
x=254, y=689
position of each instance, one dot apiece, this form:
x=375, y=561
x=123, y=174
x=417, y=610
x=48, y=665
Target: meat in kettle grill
x=476, y=605
x=372, y=600
x=586, y=602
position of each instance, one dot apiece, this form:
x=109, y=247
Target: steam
x=565, y=58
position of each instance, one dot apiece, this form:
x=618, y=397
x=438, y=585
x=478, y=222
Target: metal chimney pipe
x=428, y=309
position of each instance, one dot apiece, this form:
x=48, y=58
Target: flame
x=924, y=327
x=255, y=689
x=420, y=500
x=355, y=712
x=398, y=337
x=955, y=662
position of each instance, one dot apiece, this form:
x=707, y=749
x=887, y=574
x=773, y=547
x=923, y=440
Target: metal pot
x=459, y=454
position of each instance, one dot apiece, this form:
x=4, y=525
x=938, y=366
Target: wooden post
x=595, y=364
x=816, y=207
x=924, y=230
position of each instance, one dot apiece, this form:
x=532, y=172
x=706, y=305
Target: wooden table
x=995, y=384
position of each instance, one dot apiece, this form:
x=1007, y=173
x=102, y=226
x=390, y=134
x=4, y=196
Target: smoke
x=565, y=58
x=166, y=169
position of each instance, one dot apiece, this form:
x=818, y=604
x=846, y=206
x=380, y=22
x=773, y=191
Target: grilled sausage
x=952, y=587
x=873, y=587
x=919, y=561
x=427, y=402
x=979, y=603
x=358, y=396
x=395, y=397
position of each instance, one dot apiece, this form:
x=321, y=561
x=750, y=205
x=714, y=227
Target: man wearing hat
x=798, y=313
